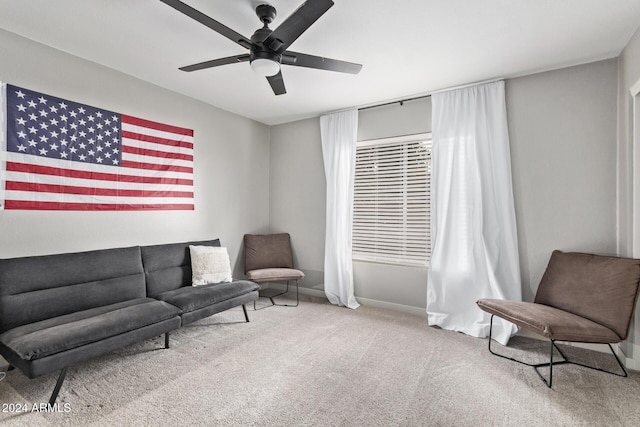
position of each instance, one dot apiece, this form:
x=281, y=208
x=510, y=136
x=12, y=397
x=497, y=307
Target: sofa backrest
x=41, y=287
x=600, y=288
x=168, y=266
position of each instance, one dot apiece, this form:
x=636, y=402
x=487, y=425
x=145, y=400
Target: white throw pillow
x=209, y=264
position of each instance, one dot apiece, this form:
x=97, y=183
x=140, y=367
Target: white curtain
x=473, y=225
x=339, y=132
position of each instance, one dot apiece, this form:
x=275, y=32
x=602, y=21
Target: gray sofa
x=60, y=310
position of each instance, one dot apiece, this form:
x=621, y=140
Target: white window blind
x=392, y=201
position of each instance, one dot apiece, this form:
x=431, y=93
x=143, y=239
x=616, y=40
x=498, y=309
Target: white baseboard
x=417, y=311
x=304, y=291
x=630, y=362
x=313, y=292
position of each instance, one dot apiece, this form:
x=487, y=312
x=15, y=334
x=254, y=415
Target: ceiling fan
x=268, y=48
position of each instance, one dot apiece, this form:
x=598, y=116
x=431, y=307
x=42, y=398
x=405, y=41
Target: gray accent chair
x=581, y=298
x=268, y=259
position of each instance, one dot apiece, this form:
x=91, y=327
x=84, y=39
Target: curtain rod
x=421, y=96
x=401, y=102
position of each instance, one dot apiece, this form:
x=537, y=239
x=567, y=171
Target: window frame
x=402, y=257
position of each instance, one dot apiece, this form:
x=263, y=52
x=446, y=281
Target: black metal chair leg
x=56, y=389
x=297, y=297
x=619, y=363
x=624, y=371
x=534, y=366
x=271, y=297
x=551, y=363
x=166, y=340
x=246, y=316
x=266, y=306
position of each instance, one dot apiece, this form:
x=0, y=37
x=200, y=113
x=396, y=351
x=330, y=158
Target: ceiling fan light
x=265, y=67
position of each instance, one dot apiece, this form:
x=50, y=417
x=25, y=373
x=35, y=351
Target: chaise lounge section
x=168, y=272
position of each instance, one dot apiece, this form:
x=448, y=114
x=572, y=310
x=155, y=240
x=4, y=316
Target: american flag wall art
x=62, y=155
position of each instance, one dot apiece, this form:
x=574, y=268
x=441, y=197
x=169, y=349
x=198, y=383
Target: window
x=391, y=208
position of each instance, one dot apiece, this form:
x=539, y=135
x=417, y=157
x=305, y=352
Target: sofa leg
x=246, y=316
x=56, y=389
x=166, y=340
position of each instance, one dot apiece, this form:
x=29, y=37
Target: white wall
x=562, y=126
x=231, y=165
x=628, y=175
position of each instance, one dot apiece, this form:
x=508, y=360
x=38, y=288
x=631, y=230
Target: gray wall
x=297, y=194
x=562, y=129
x=231, y=162
x=562, y=126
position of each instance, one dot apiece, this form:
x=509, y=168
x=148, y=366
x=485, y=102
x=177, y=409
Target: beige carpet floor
x=321, y=365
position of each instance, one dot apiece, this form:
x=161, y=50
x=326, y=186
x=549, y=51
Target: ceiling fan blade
x=296, y=24
x=216, y=62
x=209, y=22
x=277, y=84
x=311, y=61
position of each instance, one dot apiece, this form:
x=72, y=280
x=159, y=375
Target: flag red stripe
x=68, y=189
x=70, y=173
x=155, y=125
x=151, y=166
x=156, y=140
x=155, y=153
x=59, y=206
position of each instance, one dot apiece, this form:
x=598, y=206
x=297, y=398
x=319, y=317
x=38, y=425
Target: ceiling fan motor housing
x=258, y=52
x=266, y=13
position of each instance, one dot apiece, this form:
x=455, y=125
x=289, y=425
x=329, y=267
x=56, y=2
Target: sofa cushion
x=55, y=335
x=42, y=287
x=168, y=266
x=599, y=288
x=209, y=264
x=192, y=298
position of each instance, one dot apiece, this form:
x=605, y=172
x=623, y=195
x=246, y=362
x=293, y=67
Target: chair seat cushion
x=58, y=334
x=549, y=322
x=190, y=298
x=274, y=274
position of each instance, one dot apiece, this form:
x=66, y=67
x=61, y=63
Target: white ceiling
x=407, y=47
